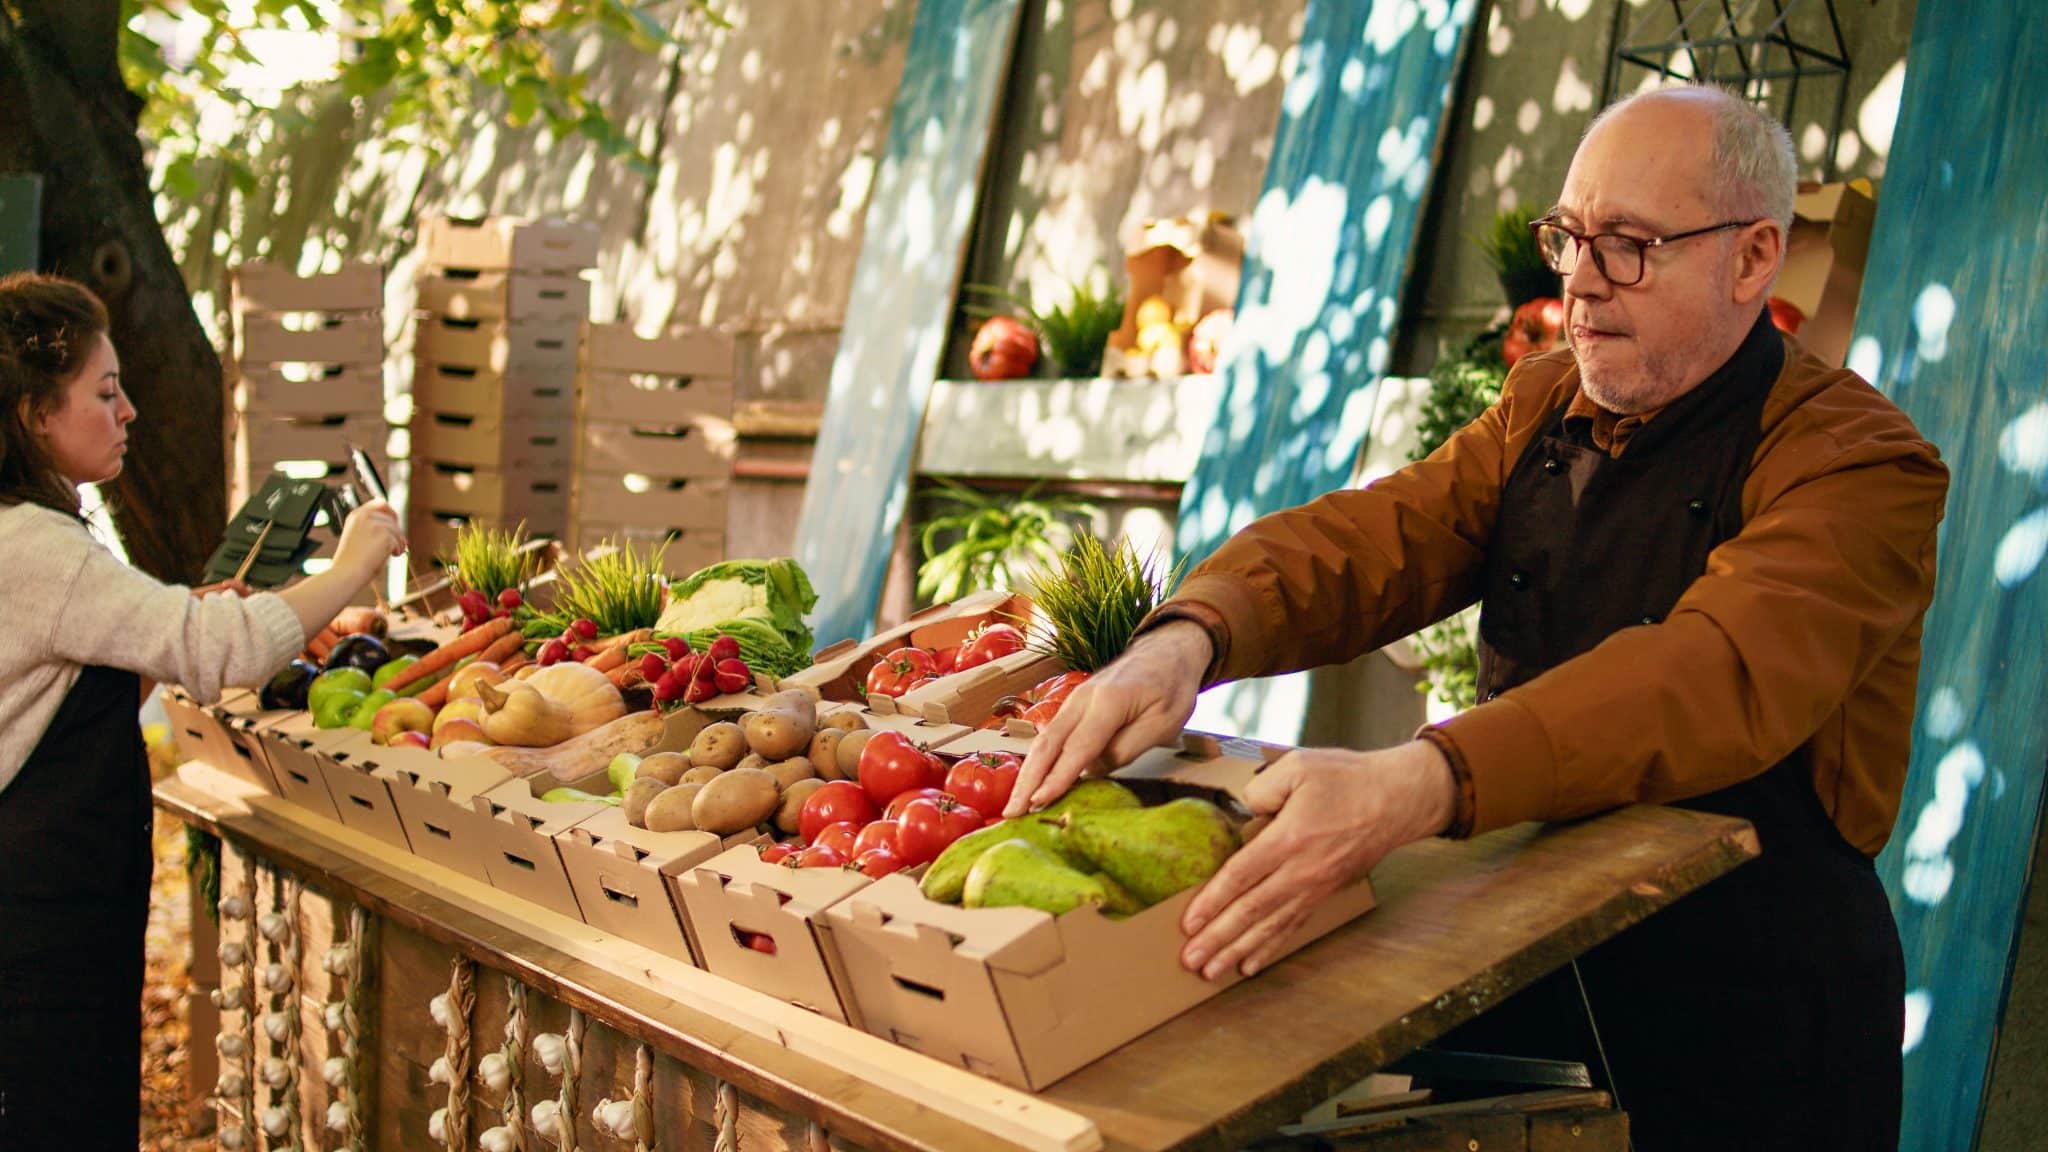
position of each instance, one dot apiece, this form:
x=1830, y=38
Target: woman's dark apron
x=75, y=861
x=1766, y=1010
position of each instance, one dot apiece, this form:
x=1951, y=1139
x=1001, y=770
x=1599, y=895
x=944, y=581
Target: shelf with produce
x=1101, y=429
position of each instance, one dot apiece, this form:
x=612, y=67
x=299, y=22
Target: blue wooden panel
x=1950, y=328
x=1327, y=253
x=903, y=298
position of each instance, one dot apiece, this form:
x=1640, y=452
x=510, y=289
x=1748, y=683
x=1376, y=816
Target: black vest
x=1766, y=1010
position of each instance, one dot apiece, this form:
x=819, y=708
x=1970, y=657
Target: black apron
x=75, y=860
x=1766, y=1010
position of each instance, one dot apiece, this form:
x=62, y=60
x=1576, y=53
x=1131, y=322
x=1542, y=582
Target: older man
x=1703, y=558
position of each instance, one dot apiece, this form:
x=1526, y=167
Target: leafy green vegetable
x=740, y=597
x=761, y=646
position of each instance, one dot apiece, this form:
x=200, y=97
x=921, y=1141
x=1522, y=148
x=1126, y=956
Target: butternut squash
x=522, y=716
x=591, y=699
x=580, y=756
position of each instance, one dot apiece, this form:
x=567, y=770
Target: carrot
x=516, y=663
x=620, y=675
x=350, y=621
x=322, y=643
x=506, y=647
x=437, y=695
x=475, y=640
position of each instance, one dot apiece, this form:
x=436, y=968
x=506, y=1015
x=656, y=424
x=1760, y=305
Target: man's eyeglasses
x=1619, y=258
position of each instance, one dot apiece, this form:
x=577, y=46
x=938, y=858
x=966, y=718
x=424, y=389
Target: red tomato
x=836, y=801
x=877, y=863
x=894, y=674
x=1785, y=315
x=758, y=941
x=1038, y=705
x=880, y=834
x=983, y=782
x=904, y=798
x=921, y=682
x=929, y=826
x=838, y=837
x=1004, y=348
x=777, y=853
x=1536, y=327
x=819, y=856
x=945, y=660
x=989, y=642
x=890, y=765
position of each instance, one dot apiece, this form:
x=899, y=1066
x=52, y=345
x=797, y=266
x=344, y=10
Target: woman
x=83, y=628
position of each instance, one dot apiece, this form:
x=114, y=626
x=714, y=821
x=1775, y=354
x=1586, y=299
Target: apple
x=411, y=739
x=455, y=731
x=460, y=708
x=464, y=680
x=401, y=715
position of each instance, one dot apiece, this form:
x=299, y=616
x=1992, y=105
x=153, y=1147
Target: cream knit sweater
x=66, y=602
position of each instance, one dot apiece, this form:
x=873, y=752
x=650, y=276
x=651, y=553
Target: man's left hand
x=1336, y=813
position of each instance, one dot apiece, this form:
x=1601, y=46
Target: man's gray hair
x=1755, y=173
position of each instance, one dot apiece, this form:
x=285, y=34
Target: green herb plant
x=490, y=561
x=1510, y=248
x=1461, y=387
x=988, y=541
x=616, y=586
x=1092, y=599
x=1074, y=333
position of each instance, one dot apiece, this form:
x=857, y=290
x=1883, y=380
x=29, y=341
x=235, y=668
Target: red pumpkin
x=1786, y=316
x=1535, y=328
x=1004, y=349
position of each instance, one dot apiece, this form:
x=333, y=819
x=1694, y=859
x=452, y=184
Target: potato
x=667, y=767
x=824, y=752
x=797, y=703
x=790, y=771
x=639, y=794
x=849, y=753
x=673, y=810
x=736, y=800
x=790, y=811
x=778, y=733
x=848, y=720
x=701, y=774
x=753, y=760
x=719, y=746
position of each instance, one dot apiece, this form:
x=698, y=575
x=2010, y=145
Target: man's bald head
x=1749, y=167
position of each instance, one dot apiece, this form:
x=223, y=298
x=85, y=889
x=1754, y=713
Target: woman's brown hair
x=48, y=326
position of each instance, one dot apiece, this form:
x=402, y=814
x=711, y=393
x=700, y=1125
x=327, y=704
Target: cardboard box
x=339, y=338
x=839, y=672
x=1192, y=262
x=970, y=697
x=263, y=286
x=1024, y=997
x=1824, y=255
x=539, y=297
x=436, y=803
x=701, y=446
x=642, y=398
x=732, y=900
x=688, y=549
x=362, y=797
x=262, y=438
x=453, y=489
x=432, y=534
x=620, y=875
x=521, y=856
x=509, y=244
x=497, y=345
x=295, y=390
x=547, y=395
x=654, y=502
x=523, y=445
x=614, y=348
x=208, y=735
x=961, y=698
x=294, y=748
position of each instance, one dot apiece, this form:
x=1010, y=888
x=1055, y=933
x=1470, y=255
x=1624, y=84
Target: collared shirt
x=1804, y=629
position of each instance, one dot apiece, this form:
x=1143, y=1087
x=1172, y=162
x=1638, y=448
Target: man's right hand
x=1141, y=700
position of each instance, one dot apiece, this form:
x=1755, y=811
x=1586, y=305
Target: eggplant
x=287, y=689
x=410, y=646
x=360, y=650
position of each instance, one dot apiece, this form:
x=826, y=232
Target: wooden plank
x=859, y=1086
x=1134, y=430
x=1460, y=926
x=902, y=303
x=1329, y=249
x=1949, y=327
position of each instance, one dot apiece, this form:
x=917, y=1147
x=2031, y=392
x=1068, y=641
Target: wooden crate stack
x=501, y=307
x=307, y=377
x=654, y=442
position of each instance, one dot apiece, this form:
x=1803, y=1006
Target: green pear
x=1153, y=852
x=1093, y=793
x=946, y=880
x=1017, y=873
x=1121, y=902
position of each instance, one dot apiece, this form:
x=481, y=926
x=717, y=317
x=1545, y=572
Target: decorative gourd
x=634, y=732
x=522, y=717
x=591, y=699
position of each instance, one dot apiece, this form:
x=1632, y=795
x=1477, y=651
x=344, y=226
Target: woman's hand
x=369, y=539
x=232, y=587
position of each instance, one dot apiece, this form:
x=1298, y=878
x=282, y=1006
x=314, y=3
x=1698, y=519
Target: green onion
x=617, y=587
x=489, y=561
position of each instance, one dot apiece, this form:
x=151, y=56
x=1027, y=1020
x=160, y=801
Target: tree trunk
x=70, y=119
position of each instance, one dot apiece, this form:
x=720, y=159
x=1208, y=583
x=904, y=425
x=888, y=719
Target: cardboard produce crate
x=509, y=244
x=498, y=345
x=536, y=297
x=261, y=437
x=263, y=286
x=436, y=803
x=294, y=748
x=1824, y=255
x=620, y=876
x=839, y=672
x=700, y=447
x=761, y=925
x=321, y=390
x=529, y=394
x=206, y=734
x=537, y=447
x=643, y=398
x=287, y=338
x=688, y=355
x=654, y=502
x=520, y=852
x=1024, y=997
x=362, y=797
x=460, y=490
x=686, y=549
